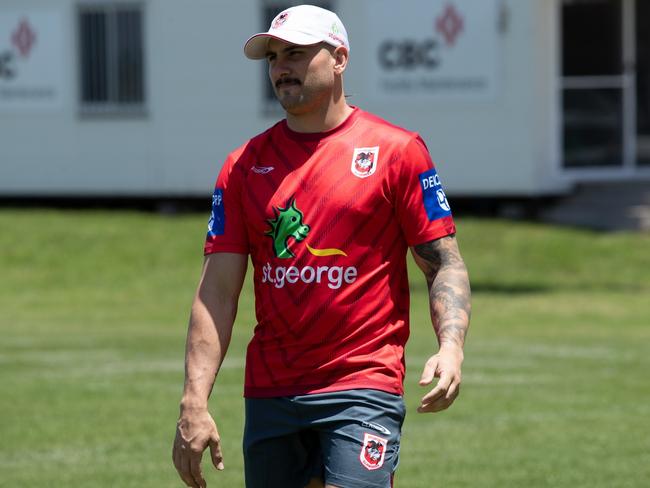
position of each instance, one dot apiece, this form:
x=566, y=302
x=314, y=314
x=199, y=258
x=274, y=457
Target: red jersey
x=327, y=219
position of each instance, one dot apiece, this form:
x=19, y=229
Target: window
x=591, y=32
x=594, y=83
x=111, y=58
x=606, y=84
x=270, y=9
x=643, y=81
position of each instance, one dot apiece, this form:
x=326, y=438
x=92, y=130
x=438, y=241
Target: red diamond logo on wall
x=23, y=38
x=450, y=24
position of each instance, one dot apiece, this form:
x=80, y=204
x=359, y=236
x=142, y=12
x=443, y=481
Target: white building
x=145, y=98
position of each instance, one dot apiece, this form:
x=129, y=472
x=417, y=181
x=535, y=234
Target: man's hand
x=195, y=431
x=446, y=366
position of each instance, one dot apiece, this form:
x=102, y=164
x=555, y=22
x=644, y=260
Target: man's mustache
x=287, y=81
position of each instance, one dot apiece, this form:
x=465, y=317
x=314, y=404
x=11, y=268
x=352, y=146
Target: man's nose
x=280, y=69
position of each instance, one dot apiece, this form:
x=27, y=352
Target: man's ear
x=341, y=56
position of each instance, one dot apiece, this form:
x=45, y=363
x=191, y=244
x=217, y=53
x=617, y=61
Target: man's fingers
x=453, y=390
x=433, y=395
x=195, y=469
x=441, y=400
x=186, y=472
x=436, y=406
x=440, y=403
x=176, y=458
x=441, y=397
x=440, y=389
x=429, y=372
x=181, y=461
x=215, y=453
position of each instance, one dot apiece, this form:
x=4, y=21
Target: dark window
x=591, y=31
x=643, y=80
x=269, y=10
x=592, y=128
x=111, y=56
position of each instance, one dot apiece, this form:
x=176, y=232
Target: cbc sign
x=448, y=27
x=434, y=49
x=409, y=54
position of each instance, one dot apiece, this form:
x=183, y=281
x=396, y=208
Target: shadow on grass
x=527, y=288
x=536, y=288
x=498, y=288
x=510, y=288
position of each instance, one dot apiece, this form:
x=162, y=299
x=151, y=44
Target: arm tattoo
x=449, y=291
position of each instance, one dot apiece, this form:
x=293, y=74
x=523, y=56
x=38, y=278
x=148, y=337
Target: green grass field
x=93, y=314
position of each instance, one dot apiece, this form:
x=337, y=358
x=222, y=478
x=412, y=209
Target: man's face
x=302, y=76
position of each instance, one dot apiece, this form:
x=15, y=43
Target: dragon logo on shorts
x=288, y=223
x=373, y=451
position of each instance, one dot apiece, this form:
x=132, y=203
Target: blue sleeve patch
x=433, y=196
x=217, y=223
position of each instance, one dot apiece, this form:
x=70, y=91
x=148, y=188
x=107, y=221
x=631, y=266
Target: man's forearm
x=449, y=302
x=208, y=338
x=213, y=314
x=449, y=290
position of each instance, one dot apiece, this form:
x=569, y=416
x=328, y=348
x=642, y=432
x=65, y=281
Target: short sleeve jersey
x=327, y=220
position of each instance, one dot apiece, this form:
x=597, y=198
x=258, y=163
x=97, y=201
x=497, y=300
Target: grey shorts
x=347, y=438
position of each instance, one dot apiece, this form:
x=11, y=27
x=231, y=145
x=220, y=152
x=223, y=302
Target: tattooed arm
x=449, y=302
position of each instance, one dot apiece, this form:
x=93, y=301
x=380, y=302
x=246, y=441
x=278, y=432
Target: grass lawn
x=93, y=314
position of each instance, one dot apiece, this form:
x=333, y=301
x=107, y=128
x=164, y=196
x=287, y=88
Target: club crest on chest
x=364, y=161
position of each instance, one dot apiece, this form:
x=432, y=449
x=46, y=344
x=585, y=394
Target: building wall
x=204, y=99
x=482, y=147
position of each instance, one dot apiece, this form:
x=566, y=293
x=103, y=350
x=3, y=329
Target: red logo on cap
x=281, y=19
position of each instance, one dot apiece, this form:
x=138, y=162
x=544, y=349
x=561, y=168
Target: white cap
x=302, y=25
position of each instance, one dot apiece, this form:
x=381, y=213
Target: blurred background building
x=519, y=101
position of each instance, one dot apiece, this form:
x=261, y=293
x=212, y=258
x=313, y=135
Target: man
x=325, y=203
